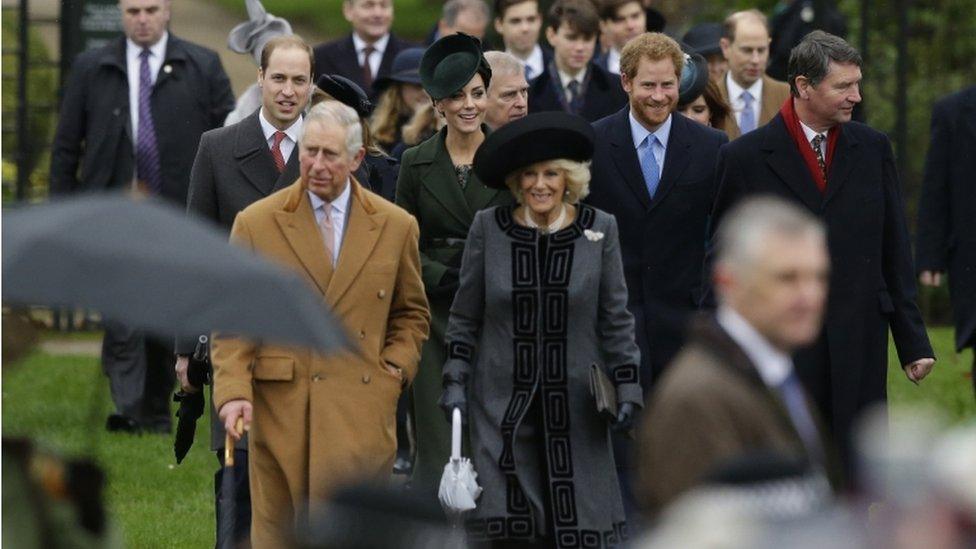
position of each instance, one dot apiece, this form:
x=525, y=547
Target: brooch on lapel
x=593, y=236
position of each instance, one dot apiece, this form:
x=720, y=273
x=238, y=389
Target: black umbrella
x=150, y=266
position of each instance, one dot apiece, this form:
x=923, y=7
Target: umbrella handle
x=456, y=434
x=229, y=443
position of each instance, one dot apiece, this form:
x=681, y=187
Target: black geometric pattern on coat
x=541, y=269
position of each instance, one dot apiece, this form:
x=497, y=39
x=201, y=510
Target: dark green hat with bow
x=450, y=63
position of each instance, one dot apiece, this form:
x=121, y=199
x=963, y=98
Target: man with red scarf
x=844, y=172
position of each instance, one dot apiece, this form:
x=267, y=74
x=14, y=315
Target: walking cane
x=227, y=511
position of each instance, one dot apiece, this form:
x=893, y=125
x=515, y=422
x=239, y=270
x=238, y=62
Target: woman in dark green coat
x=437, y=186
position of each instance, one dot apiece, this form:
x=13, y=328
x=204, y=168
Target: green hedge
x=412, y=18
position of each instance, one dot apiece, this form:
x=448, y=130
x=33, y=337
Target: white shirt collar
x=293, y=132
x=158, y=50
x=566, y=78
x=774, y=366
x=640, y=133
x=340, y=205
x=535, y=60
x=809, y=133
x=379, y=46
x=613, y=61
x=735, y=91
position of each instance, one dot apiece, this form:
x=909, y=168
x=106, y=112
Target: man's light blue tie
x=791, y=393
x=747, y=118
x=649, y=166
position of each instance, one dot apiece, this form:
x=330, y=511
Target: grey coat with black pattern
x=522, y=335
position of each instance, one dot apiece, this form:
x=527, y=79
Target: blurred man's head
x=518, y=22
x=745, y=45
x=467, y=16
x=572, y=28
x=144, y=21
x=824, y=74
x=622, y=21
x=331, y=148
x=508, y=92
x=650, y=72
x=772, y=268
x=370, y=19
x=285, y=79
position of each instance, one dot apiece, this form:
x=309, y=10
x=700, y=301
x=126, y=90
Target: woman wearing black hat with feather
x=542, y=299
x=437, y=186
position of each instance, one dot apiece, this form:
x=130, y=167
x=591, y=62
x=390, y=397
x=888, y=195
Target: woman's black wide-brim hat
x=450, y=63
x=536, y=138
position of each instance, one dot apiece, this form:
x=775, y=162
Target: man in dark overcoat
x=236, y=166
x=132, y=116
x=946, y=213
x=366, y=54
x=572, y=82
x=662, y=215
x=844, y=172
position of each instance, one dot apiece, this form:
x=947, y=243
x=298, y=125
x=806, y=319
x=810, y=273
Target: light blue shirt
x=338, y=210
x=640, y=133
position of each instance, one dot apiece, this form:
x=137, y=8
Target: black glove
x=625, y=417
x=454, y=396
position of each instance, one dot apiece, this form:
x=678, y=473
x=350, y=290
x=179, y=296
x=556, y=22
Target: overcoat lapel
x=847, y=154
x=254, y=157
x=297, y=223
x=361, y=235
x=787, y=163
x=625, y=157
x=116, y=59
x=291, y=172
x=440, y=179
x=175, y=61
x=676, y=158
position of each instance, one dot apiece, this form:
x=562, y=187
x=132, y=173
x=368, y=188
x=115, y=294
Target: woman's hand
x=454, y=396
x=625, y=417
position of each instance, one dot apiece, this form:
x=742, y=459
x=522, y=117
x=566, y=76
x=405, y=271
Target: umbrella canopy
x=459, y=484
x=147, y=264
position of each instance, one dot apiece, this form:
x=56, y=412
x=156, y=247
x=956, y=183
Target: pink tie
x=328, y=232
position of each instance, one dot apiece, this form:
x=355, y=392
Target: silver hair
x=503, y=64
x=750, y=223
x=812, y=56
x=334, y=112
x=453, y=8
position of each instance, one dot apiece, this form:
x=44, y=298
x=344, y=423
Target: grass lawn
x=63, y=402
x=412, y=19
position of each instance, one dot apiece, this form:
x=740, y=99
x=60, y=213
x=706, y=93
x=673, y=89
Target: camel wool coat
x=323, y=421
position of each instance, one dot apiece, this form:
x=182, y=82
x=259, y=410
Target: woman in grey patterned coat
x=542, y=297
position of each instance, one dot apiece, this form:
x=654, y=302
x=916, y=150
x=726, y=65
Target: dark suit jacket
x=602, y=97
x=662, y=240
x=339, y=57
x=94, y=130
x=872, y=282
x=712, y=406
x=947, y=211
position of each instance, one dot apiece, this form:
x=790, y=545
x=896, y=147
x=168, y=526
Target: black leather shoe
x=118, y=423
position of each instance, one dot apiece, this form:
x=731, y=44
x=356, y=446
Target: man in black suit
x=518, y=23
x=946, y=213
x=235, y=166
x=843, y=172
x=132, y=117
x=571, y=82
x=366, y=55
x=654, y=171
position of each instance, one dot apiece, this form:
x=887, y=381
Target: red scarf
x=806, y=149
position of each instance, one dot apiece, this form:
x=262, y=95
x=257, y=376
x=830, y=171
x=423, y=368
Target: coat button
x=381, y=294
x=362, y=334
x=365, y=378
x=316, y=377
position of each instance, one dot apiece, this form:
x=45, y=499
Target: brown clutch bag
x=604, y=392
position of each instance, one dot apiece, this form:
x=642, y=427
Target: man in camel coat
x=317, y=422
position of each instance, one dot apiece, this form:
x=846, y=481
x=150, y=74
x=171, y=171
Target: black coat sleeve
x=729, y=189
x=907, y=329
x=222, y=99
x=70, y=135
x=934, y=212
